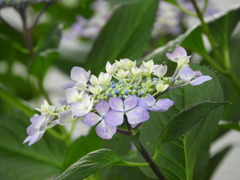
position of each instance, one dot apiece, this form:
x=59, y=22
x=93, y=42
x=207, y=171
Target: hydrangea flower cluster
x=123, y=95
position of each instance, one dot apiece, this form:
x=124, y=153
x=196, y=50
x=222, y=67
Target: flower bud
x=111, y=69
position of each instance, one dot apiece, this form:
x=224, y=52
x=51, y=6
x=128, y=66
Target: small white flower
x=136, y=71
x=126, y=64
x=148, y=64
x=121, y=74
x=104, y=78
x=96, y=90
x=159, y=70
x=46, y=108
x=94, y=80
x=111, y=69
x=72, y=95
x=160, y=87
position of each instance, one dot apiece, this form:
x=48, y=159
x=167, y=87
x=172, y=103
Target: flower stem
x=207, y=32
x=142, y=150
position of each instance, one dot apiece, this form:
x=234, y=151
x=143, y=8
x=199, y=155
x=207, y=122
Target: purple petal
x=200, y=80
x=137, y=115
x=179, y=52
x=102, y=107
x=142, y=102
x=36, y=137
x=105, y=131
x=171, y=57
x=79, y=74
x=65, y=117
x=68, y=84
x=31, y=130
x=164, y=104
x=150, y=100
x=186, y=73
x=79, y=109
x=91, y=119
x=114, y=118
x=130, y=102
x=37, y=121
x=116, y=104
x=63, y=101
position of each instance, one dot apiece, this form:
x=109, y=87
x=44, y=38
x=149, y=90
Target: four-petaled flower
x=36, y=130
x=192, y=77
x=151, y=104
x=103, y=130
x=135, y=114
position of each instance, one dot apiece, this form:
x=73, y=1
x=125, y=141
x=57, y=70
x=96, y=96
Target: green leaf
x=15, y=101
x=81, y=147
x=186, y=119
x=124, y=36
x=222, y=26
x=51, y=39
x=19, y=161
x=42, y=63
x=89, y=164
x=178, y=158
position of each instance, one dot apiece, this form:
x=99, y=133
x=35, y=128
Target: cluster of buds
x=123, y=95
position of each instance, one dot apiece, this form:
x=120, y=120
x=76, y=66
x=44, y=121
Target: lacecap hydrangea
x=122, y=96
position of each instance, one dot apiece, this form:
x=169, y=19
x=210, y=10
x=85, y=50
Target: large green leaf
x=89, y=164
x=125, y=35
x=186, y=119
x=41, y=161
x=220, y=27
x=177, y=158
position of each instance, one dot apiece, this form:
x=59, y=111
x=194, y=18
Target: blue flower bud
x=125, y=92
x=109, y=94
x=139, y=93
x=113, y=85
x=120, y=96
x=116, y=91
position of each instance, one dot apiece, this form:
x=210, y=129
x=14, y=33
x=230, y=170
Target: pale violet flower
x=192, y=77
x=79, y=78
x=64, y=117
x=179, y=55
x=151, y=104
x=81, y=108
x=135, y=114
x=36, y=130
x=103, y=130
